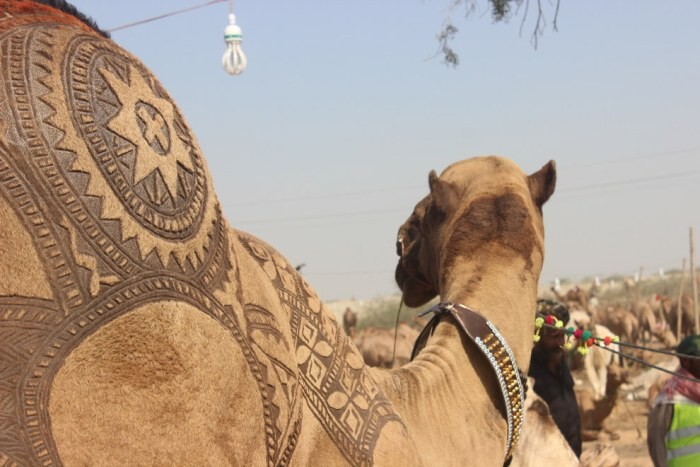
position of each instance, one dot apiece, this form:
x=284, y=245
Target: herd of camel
x=138, y=327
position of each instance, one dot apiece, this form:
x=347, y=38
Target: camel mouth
x=401, y=277
x=416, y=291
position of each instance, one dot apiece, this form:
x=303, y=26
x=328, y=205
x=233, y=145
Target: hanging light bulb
x=234, y=60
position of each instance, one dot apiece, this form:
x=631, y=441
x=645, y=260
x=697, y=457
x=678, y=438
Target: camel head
x=476, y=206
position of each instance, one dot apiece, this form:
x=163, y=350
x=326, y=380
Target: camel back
x=110, y=224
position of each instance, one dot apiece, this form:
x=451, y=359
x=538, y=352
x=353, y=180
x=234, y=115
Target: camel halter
x=485, y=335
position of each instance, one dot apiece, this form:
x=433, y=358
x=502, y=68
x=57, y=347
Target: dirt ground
x=628, y=422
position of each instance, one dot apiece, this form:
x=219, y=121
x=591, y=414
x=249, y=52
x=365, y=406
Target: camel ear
x=442, y=194
x=542, y=183
x=432, y=178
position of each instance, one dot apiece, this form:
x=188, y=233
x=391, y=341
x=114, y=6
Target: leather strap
x=485, y=335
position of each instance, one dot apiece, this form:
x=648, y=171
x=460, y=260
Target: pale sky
x=322, y=147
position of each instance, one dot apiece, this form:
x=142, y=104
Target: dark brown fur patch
x=540, y=408
x=502, y=220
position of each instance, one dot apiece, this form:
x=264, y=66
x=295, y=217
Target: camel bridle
x=493, y=346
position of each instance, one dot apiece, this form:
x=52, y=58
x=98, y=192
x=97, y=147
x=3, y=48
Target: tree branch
x=501, y=11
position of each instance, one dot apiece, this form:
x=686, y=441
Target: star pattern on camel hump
x=146, y=120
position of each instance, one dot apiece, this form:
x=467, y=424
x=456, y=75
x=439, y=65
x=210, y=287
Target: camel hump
x=97, y=156
x=106, y=203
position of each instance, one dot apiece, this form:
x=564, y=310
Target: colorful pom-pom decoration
x=585, y=338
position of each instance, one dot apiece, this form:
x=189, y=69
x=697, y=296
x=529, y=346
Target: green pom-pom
x=586, y=335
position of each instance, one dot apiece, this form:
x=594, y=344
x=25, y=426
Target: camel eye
x=399, y=246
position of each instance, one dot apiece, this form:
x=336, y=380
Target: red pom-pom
x=550, y=319
x=590, y=342
x=577, y=333
x=607, y=340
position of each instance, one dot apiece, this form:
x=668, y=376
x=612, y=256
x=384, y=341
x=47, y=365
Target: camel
x=377, y=346
x=622, y=322
x=349, y=322
x=541, y=442
x=575, y=298
x=594, y=411
x=579, y=319
x=687, y=317
x=138, y=327
x=596, y=364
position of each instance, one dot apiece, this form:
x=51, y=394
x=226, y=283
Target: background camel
x=132, y=310
x=377, y=345
x=622, y=322
x=594, y=410
x=349, y=322
x=542, y=443
x=596, y=364
x=687, y=318
x=575, y=298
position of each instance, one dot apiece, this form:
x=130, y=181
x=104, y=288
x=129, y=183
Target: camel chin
x=415, y=293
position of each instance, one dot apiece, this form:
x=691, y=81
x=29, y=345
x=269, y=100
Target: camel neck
x=450, y=385
x=443, y=392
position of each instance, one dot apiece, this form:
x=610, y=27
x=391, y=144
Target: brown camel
x=377, y=346
x=596, y=364
x=594, y=411
x=622, y=322
x=138, y=327
x=349, y=322
x=575, y=298
x=687, y=317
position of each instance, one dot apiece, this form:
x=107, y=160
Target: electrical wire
x=164, y=15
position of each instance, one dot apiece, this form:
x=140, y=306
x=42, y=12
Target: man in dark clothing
x=553, y=381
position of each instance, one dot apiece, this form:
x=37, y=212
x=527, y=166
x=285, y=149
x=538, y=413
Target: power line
x=328, y=196
x=321, y=216
x=348, y=273
x=164, y=15
x=629, y=181
x=404, y=209
x=632, y=158
x=416, y=187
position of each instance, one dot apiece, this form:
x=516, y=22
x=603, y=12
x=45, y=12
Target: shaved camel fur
x=137, y=327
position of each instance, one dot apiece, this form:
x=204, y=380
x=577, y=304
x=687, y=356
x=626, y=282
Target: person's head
x=690, y=347
x=552, y=339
